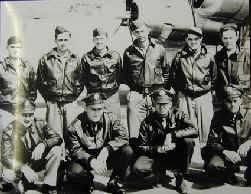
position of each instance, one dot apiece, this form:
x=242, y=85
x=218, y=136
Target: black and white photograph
x=125, y=97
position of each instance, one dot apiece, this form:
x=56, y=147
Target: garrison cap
x=232, y=92
x=60, y=30
x=134, y=25
x=14, y=40
x=94, y=98
x=229, y=26
x=163, y=96
x=27, y=107
x=194, y=30
x=99, y=32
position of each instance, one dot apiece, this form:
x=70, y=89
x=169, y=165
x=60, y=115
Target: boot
x=181, y=186
x=115, y=186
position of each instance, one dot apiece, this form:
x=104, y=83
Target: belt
x=195, y=94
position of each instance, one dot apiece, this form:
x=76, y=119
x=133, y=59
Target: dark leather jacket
x=58, y=82
x=101, y=74
x=14, y=86
x=228, y=132
x=233, y=70
x=191, y=75
x=152, y=133
x=149, y=69
x=18, y=142
x=86, y=138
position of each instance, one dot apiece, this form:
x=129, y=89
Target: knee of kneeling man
x=9, y=175
x=77, y=170
x=127, y=150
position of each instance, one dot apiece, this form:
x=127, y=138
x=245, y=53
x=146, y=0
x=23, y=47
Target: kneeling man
x=229, y=142
x=165, y=141
x=97, y=142
x=30, y=152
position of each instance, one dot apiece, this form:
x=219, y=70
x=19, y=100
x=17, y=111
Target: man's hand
x=232, y=156
x=166, y=148
x=38, y=152
x=29, y=174
x=103, y=155
x=244, y=148
x=97, y=166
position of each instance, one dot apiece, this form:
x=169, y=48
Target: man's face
x=62, y=41
x=163, y=109
x=229, y=39
x=233, y=104
x=26, y=119
x=100, y=42
x=95, y=112
x=193, y=41
x=140, y=34
x=15, y=50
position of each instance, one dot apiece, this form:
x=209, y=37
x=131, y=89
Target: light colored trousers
x=5, y=119
x=200, y=110
x=112, y=104
x=46, y=176
x=137, y=109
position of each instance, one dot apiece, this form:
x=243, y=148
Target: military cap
x=162, y=95
x=94, y=98
x=134, y=25
x=232, y=92
x=229, y=26
x=99, y=32
x=27, y=107
x=60, y=30
x=194, y=30
x=14, y=40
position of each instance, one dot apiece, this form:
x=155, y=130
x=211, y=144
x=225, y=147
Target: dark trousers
x=217, y=166
x=178, y=159
x=119, y=161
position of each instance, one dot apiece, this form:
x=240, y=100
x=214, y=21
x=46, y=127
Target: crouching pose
x=30, y=152
x=229, y=142
x=165, y=141
x=97, y=143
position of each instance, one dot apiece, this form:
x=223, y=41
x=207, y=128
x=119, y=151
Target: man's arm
x=77, y=151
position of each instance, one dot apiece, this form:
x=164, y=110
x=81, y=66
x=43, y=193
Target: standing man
x=97, y=143
x=144, y=69
x=163, y=141
x=30, y=152
x=58, y=82
x=17, y=83
x=101, y=71
x=233, y=63
x=229, y=142
x=193, y=76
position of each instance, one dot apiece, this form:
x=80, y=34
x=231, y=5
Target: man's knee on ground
x=127, y=151
x=216, y=166
x=77, y=172
x=143, y=166
x=9, y=175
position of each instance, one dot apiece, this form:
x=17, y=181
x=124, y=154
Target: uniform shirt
x=229, y=131
x=17, y=82
x=153, y=130
x=101, y=73
x=18, y=142
x=233, y=70
x=193, y=74
x=87, y=138
x=58, y=79
x=145, y=68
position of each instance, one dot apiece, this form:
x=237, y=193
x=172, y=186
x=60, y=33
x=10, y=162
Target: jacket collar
x=94, y=54
x=8, y=63
x=54, y=54
x=187, y=52
x=88, y=124
x=233, y=56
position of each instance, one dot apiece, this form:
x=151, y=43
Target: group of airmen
x=169, y=105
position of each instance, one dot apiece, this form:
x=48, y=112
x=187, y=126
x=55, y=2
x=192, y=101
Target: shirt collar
x=54, y=54
x=96, y=54
x=9, y=63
